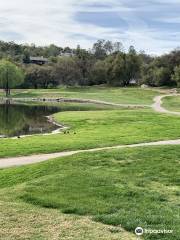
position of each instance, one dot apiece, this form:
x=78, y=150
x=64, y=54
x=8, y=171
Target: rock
x=144, y=86
x=174, y=90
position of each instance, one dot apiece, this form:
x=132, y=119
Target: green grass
x=172, y=103
x=73, y=106
x=97, y=129
x=22, y=221
x=109, y=94
x=129, y=187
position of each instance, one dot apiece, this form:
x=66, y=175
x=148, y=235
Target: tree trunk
x=7, y=89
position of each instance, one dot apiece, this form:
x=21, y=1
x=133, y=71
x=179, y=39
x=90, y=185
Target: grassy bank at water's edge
x=91, y=129
x=109, y=94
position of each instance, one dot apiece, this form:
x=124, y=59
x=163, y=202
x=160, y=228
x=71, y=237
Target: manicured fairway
x=90, y=129
x=129, y=187
x=172, y=103
x=115, y=95
x=100, y=195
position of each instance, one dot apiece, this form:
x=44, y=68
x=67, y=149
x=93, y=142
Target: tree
x=122, y=68
x=147, y=76
x=119, y=71
x=31, y=76
x=67, y=71
x=103, y=48
x=156, y=75
x=108, y=46
x=163, y=76
x=99, y=49
x=10, y=76
x=45, y=76
x=118, y=47
x=98, y=73
x=53, y=51
x=133, y=63
x=84, y=61
x=176, y=75
x=26, y=56
x=40, y=76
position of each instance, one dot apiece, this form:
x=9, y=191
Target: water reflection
x=16, y=120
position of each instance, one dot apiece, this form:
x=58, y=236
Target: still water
x=20, y=119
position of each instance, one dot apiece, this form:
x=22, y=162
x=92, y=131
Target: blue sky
x=150, y=25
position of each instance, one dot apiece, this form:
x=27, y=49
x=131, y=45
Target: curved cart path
x=19, y=161
x=158, y=102
x=25, y=160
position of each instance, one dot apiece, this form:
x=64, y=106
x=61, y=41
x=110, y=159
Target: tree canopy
x=106, y=62
x=10, y=76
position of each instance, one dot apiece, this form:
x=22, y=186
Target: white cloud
x=44, y=22
x=53, y=21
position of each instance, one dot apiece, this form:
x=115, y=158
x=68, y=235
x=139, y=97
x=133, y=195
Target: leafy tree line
x=105, y=63
x=163, y=70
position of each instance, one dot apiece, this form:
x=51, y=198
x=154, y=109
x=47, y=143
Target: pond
x=21, y=119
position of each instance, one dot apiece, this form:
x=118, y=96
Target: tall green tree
x=10, y=76
x=122, y=68
x=99, y=49
x=40, y=76
x=31, y=76
x=67, y=71
x=176, y=75
x=133, y=63
x=119, y=71
x=156, y=75
x=98, y=73
x=84, y=61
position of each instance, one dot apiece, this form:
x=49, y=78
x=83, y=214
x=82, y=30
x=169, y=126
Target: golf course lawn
x=101, y=195
x=91, y=129
x=109, y=94
x=22, y=221
x=172, y=103
x=127, y=188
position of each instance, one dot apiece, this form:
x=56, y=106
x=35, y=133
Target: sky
x=149, y=25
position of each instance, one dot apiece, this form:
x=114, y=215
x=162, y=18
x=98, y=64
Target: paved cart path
x=25, y=160
x=157, y=106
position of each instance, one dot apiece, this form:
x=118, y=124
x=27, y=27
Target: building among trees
x=36, y=60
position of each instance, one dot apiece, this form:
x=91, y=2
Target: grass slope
x=21, y=221
x=129, y=187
